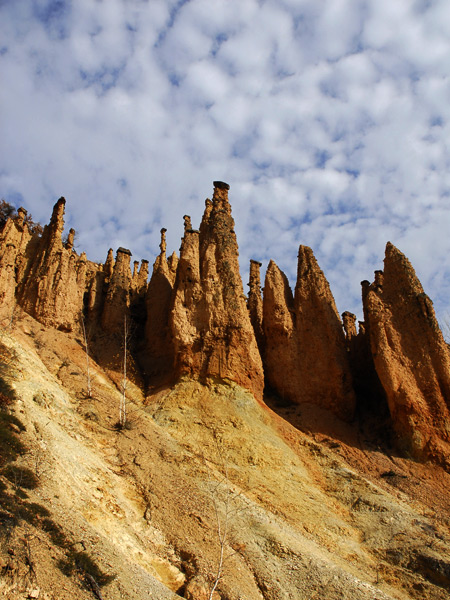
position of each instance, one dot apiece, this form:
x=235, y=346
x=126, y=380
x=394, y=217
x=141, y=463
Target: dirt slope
x=314, y=510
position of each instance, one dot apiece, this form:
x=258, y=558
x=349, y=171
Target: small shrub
x=127, y=426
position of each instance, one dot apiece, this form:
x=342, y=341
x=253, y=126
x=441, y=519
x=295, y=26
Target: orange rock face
x=53, y=282
x=158, y=357
x=306, y=357
x=255, y=303
x=281, y=351
x=411, y=358
x=210, y=324
x=118, y=296
x=14, y=240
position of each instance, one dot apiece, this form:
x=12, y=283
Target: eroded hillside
x=178, y=439
x=314, y=508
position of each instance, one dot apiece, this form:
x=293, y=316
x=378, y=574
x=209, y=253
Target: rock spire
x=411, y=357
x=210, y=325
x=306, y=357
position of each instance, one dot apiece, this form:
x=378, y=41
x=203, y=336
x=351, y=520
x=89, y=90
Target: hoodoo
x=139, y=456
x=158, y=357
x=255, y=303
x=210, y=323
x=306, y=357
x=411, y=358
x=53, y=283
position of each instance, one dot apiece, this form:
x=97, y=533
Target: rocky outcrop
x=14, y=240
x=210, y=324
x=139, y=279
x=349, y=323
x=255, y=304
x=193, y=320
x=158, y=356
x=306, y=334
x=53, y=285
x=116, y=307
x=280, y=335
x=410, y=357
x=50, y=281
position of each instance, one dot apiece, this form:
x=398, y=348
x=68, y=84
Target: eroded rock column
x=411, y=358
x=255, y=303
x=306, y=358
x=211, y=327
x=158, y=357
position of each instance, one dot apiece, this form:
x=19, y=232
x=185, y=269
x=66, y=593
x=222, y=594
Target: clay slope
x=309, y=515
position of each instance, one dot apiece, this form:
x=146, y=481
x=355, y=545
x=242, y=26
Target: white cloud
x=330, y=124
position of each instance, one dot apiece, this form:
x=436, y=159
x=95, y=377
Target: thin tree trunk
x=123, y=407
x=88, y=373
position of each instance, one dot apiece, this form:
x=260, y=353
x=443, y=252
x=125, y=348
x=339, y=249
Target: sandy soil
x=311, y=507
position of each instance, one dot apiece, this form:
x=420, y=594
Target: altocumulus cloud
x=329, y=119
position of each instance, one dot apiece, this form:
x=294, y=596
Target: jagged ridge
x=192, y=319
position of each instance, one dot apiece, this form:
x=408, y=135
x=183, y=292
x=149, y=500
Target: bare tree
x=227, y=504
x=88, y=372
x=123, y=399
x=222, y=514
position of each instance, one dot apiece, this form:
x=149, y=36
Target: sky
x=329, y=119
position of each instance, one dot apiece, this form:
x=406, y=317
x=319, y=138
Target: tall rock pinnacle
x=117, y=300
x=53, y=286
x=255, y=303
x=158, y=356
x=211, y=328
x=411, y=357
x=306, y=357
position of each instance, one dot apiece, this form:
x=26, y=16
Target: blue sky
x=328, y=118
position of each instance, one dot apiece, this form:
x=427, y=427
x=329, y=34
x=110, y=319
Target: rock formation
x=349, y=323
x=158, y=356
x=210, y=324
x=15, y=239
x=117, y=301
x=255, y=303
x=411, y=357
x=192, y=319
x=50, y=281
x=306, y=358
x=280, y=335
x=53, y=284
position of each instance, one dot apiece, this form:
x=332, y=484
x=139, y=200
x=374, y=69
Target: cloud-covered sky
x=330, y=120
